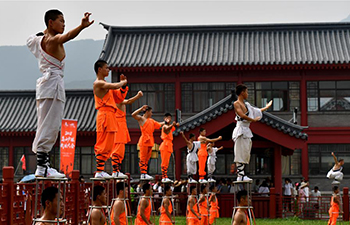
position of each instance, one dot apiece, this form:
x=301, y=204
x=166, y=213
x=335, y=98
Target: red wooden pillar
x=76, y=188
x=303, y=100
x=278, y=174
x=178, y=161
x=8, y=175
x=177, y=92
x=305, y=162
x=272, y=204
x=11, y=152
x=346, y=203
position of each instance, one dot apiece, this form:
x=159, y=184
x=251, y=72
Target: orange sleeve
x=157, y=125
x=120, y=94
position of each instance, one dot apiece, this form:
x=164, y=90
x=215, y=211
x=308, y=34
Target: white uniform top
x=192, y=153
x=212, y=156
x=242, y=127
x=51, y=84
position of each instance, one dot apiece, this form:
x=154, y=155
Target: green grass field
x=290, y=221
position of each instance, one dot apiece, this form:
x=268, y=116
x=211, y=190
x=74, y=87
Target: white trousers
x=49, y=115
x=191, y=167
x=242, y=150
x=335, y=175
x=211, y=168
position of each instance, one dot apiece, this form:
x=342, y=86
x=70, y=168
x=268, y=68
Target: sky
x=19, y=19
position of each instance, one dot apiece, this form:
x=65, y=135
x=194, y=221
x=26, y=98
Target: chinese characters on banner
x=67, y=145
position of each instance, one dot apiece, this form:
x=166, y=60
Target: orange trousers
x=202, y=161
x=193, y=221
x=103, y=148
x=145, y=155
x=213, y=215
x=165, y=155
x=118, y=156
x=204, y=220
x=333, y=216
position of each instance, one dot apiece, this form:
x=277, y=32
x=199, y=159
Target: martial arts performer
x=334, y=209
x=335, y=173
x=48, y=48
x=122, y=137
x=118, y=215
x=211, y=160
x=193, y=216
x=214, y=205
x=240, y=217
x=192, y=157
x=245, y=114
x=203, y=206
x=166, y=147
x=98, y=215
x=203, y=154
x=106, y=96
x=166, y=209
x=146, y=141
x=145, y=207
x=49, y=199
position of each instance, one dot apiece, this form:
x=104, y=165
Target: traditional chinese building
x=193, y=69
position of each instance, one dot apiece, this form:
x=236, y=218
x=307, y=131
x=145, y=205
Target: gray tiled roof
x=227, y=45
x=18, y=110
x=225, y=105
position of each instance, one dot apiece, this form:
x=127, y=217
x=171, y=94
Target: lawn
x=227, y=221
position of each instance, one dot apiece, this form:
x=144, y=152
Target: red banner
x=67, y=147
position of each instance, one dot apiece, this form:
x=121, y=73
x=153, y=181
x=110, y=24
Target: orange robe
x=122, y=218
x=146, y=142
x=333, y=212
x=202, y=160
x=191, y=218
x=164, y=219
x=203, y=210
x=122, y=137
x=106, y=125
x=166, y=148
x=139, y=220
x=214, y=211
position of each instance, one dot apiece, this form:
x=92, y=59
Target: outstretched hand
x=85, y=21
x=269, y=104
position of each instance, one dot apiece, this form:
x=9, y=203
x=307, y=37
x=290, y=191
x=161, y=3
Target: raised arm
x=335, y=158
x=222, y=147
x=267, y=106
x=167, y=128
x=204, y=139
x=240, y=113
x=113, y=86
x=63, y=38
x=136, y=113
x=133, y=99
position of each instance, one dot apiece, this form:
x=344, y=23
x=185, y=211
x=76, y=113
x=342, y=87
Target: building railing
x=17, y=202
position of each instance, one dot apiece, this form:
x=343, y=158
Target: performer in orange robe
x=118, y=209
x=214, y=205
x=166, y=208
x=145, y=206
x=203, y=154
x=334, y=209
x=166, y=147
x=192, y=216
x=146, y=141
x=106, y=96
x=203, y=206
x=122, y=137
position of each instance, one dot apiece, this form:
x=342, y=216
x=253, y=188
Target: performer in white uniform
x=48, y=48
x=245, y=114
x=335, y=173
x=192, y=157
x=212, y=160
